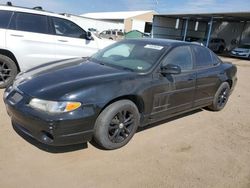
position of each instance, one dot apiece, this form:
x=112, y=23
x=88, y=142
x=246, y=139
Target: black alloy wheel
x=116, y=124
x=121, y=126
x=8, y=71
x=220, y=97
x=223, y=96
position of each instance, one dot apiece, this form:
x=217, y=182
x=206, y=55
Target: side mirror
x=89, y=36
x=170, y=69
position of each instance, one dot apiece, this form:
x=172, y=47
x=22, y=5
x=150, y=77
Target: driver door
x=173, y=93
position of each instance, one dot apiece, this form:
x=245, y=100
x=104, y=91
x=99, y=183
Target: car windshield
x=245, y=46
x=138, y=56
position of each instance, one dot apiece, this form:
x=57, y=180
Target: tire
x=116, y=124
x=221, y=49
x=8, y=71
x=221, y=97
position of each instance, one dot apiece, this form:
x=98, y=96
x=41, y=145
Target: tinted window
x=120, y=33
x=215, y=58
x=4, y=18
x=180, y=56
x=202, y=57
x=67, y=28
x=30, y=22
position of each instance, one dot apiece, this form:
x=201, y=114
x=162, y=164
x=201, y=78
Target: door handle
x=62, y=40
x=14, y=35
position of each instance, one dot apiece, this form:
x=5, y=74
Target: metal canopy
x=209, y=18
x=230, y=17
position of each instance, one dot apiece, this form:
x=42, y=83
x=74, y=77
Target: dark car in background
x=217, y=45
x=107, y=96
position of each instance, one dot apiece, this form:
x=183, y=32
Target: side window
x=5, y=18
x=180, y=56
x=67, y=28
x=203, y=57
x=120, y=33
x=30, y=22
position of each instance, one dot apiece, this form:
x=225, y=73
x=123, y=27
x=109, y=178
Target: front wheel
x=221, y=97
x=8, y=71
x=221, y=49
x=116, y=124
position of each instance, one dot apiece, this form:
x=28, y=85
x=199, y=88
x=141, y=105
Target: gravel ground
x=201, y=149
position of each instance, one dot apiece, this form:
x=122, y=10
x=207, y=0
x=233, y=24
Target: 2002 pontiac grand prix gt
x=107, y=96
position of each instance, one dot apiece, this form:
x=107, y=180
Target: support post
x=185, y=31
x=209, y=31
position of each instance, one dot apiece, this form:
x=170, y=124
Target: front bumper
x=55, y=130
x=239, y=54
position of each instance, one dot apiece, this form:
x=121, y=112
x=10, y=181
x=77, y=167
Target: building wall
x=148, y=17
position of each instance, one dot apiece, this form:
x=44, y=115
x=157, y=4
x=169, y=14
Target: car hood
x=54, y=80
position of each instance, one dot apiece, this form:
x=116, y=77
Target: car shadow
x=71, y=148
x=168, y=120
x=149, y=126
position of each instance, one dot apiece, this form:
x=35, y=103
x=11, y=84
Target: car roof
x=30, y=10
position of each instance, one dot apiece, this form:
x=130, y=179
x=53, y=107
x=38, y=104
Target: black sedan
x=107, y=96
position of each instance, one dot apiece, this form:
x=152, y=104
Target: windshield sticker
x=155, y=47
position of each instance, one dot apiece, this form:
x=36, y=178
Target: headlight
x=53, y=106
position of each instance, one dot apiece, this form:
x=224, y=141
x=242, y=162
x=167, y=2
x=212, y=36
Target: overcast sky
x=161, y=6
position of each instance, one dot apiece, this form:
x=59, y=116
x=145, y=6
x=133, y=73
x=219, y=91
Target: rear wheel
x=221, y=49
x=221, y=97
x=116, y=125
x=8, y=71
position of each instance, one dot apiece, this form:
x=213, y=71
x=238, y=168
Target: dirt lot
x=201, y=149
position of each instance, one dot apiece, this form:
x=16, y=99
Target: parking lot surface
x=199, y=149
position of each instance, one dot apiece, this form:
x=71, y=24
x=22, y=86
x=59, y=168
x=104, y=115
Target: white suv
x=30, y=37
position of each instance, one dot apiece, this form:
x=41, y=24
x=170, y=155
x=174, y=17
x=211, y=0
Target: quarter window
x=180, y=56
x=68, y=29
x=5, y=18
x=215, y=58
x=202, y=57
x=30, y=22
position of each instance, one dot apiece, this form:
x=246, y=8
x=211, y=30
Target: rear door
x=207, y=70
x=4, y=22
x=29, y=39
x=71, y=40
x=173, y=93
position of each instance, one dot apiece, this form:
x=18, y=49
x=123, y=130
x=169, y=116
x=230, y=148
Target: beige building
x=129, y=20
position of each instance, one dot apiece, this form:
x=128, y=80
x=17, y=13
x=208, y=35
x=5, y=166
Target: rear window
x=5, y=18
x=30, y=22
x=202, y=57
